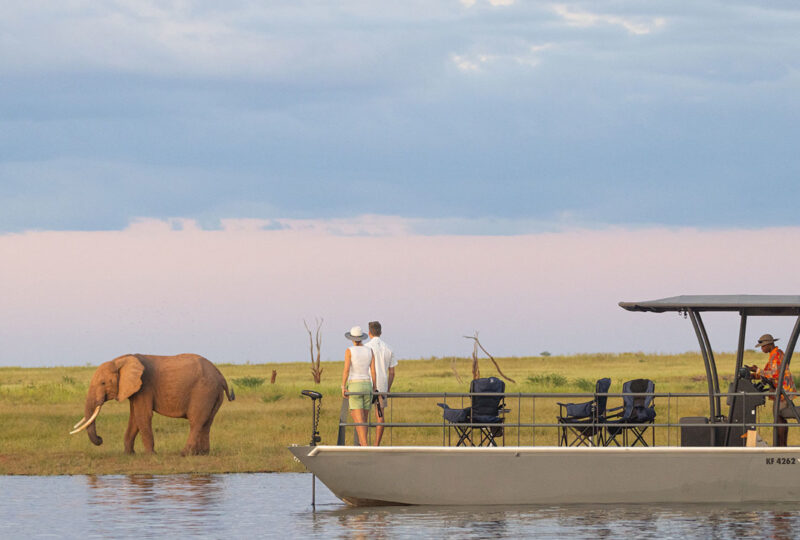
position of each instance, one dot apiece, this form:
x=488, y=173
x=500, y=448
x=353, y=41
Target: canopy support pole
x=780, y=392
x=739, y=362
x=711, y=403
x=712, y=362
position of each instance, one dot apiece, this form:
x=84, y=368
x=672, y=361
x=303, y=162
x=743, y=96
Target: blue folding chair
x=580, y=424
x=637, y=410
x=486, y=410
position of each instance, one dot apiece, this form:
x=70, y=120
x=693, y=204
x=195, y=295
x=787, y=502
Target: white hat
x=356, y=334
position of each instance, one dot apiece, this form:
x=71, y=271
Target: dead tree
x=316, y=370
x=274, y=376
x=476, y=370
x=476, y=374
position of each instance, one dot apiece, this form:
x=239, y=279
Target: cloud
x=372, y=225
x=188, y=40
x=493, y=3
x=465, y=64
x=634, y=25
x=529, y=56
x=120, y=110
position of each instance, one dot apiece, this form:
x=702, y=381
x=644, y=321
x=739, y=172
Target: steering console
x=760, y=384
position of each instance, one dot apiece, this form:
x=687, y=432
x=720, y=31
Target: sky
x=189, y=177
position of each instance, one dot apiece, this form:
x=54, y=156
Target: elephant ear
x=130, y=376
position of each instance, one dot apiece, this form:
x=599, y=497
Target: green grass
x=249, y=382
x=584, y=385
x=38, y=407
x=550, y=380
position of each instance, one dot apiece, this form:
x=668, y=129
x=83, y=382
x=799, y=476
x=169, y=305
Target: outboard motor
x=315, y=410
x=316, y=398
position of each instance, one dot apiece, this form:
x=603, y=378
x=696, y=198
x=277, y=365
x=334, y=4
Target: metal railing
x=519, y=405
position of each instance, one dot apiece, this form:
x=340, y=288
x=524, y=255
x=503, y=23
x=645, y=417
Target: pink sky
x=240, y=294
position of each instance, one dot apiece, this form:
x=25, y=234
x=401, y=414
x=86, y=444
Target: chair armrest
x=617, y=412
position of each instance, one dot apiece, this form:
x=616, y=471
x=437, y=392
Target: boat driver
x=771, y=373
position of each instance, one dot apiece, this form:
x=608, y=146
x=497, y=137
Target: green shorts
x=360, y=402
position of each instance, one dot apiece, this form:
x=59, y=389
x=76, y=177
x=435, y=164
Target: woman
x=359, y=377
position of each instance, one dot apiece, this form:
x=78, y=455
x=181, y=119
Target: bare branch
x=475, y=354
x=319, y=339
x=476, y=370
x=316, y=370
x=310, y=340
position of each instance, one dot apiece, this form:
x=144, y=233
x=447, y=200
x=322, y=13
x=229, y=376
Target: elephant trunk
x=91, y=431
x=91, y=410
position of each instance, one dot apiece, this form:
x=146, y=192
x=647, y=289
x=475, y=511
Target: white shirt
x=360, y=359
x=384, y=359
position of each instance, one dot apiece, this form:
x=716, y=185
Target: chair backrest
x=602, y=387
x=486, y=405
x=595, y=408
x=638, y=408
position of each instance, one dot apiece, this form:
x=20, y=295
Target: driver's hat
x=766, y=339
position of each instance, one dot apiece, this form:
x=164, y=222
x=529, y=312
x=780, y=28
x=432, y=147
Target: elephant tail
x=228, y=393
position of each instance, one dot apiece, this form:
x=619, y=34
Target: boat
x=715, y=462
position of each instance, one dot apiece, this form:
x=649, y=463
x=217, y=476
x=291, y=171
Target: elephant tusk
x=88, y=422
x=81, y=421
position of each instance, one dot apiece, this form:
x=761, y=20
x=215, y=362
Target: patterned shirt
x=773, y=370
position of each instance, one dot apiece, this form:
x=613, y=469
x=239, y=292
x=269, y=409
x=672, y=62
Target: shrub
x=271, y=398
x=584, y=384
x=249, y=382
x=550, y=379
x=545, y=353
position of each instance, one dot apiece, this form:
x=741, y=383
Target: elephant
x=183, y=386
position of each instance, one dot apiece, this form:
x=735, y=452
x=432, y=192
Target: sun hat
x=766, y=338
x=356, y=334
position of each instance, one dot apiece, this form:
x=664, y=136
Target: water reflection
x=147, y=505
x=578, y=521
x=278, y=505
x=139, y=492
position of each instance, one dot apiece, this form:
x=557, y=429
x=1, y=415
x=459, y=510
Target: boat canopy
x=746, y=304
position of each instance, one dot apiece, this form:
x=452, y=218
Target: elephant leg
x=193, y=442
x=205, y=440
x=205, y=434
x=142, y=410
x=131, y=432
x=200, y=421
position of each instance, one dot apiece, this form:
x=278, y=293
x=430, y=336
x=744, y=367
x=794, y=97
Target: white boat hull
x=553, y=475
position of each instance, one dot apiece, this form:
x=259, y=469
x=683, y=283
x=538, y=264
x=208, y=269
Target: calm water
x=278, y=505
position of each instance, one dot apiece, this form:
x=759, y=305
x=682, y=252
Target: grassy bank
x=38, y=407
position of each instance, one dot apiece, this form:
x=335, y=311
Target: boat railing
x=529, y=424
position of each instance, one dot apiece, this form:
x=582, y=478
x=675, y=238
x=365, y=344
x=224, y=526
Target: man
x=384, y=371
x=771, y=373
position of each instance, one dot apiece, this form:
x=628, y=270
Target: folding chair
x=580, y=424
x=484, y=410
x=639, y=410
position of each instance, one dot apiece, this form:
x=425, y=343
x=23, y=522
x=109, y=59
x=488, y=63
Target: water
x=278, y=505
